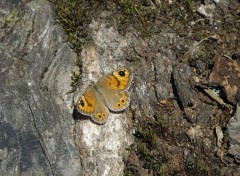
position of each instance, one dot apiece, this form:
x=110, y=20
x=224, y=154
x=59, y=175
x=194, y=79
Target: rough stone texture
x=38, y=134
x=233, y=130
x=227, y=74
x=35, y=68
x=42, y=134
x=188, y=96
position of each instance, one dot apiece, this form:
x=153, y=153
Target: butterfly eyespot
x=98, y=115
x=81, y=103
x=123, y=101
x=121, y=73
x=119, y=105
x=103, y=114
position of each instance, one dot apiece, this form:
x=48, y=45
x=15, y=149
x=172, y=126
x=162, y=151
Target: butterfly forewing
x=113, y=88
x=118, y=80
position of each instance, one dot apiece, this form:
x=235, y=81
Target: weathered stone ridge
x=35, y=64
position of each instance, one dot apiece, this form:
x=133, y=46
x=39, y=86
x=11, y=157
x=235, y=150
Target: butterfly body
x=108, y=93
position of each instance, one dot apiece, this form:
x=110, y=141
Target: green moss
x=74, y=15
x=204, y=169
x=127, y=7
x=71, y=15
x=148, y=149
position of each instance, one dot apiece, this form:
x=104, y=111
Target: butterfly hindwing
x=92, y=104
x=114, y=87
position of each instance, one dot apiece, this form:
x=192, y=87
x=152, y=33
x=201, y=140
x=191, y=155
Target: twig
x=213, y=36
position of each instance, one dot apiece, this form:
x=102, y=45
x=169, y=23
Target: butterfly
x=109, y=93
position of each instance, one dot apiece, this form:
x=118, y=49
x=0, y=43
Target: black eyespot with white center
x=81, y=103
x=122, y=73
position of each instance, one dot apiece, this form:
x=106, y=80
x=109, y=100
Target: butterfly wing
x=114, y=87
x=91, y=103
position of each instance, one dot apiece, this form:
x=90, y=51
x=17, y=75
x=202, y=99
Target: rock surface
x=35, y=67
x=171, y=126
x=38, y=133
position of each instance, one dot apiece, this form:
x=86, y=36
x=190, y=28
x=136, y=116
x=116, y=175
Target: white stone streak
x=44, y=36
x=103, y=144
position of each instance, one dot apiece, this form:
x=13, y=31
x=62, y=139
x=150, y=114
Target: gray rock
x=35, y=68
x=40, y=131
x=38, y=135
x=103, y=146
x=233, y=131
x=189, y=100
x=206, y=10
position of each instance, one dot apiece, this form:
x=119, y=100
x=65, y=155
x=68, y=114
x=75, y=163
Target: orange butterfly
x=109, y=92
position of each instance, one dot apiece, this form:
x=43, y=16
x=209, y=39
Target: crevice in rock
x=29, y=32
x=175, y=92
x=40, y=138
x=74, y=136
x=155, y=79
